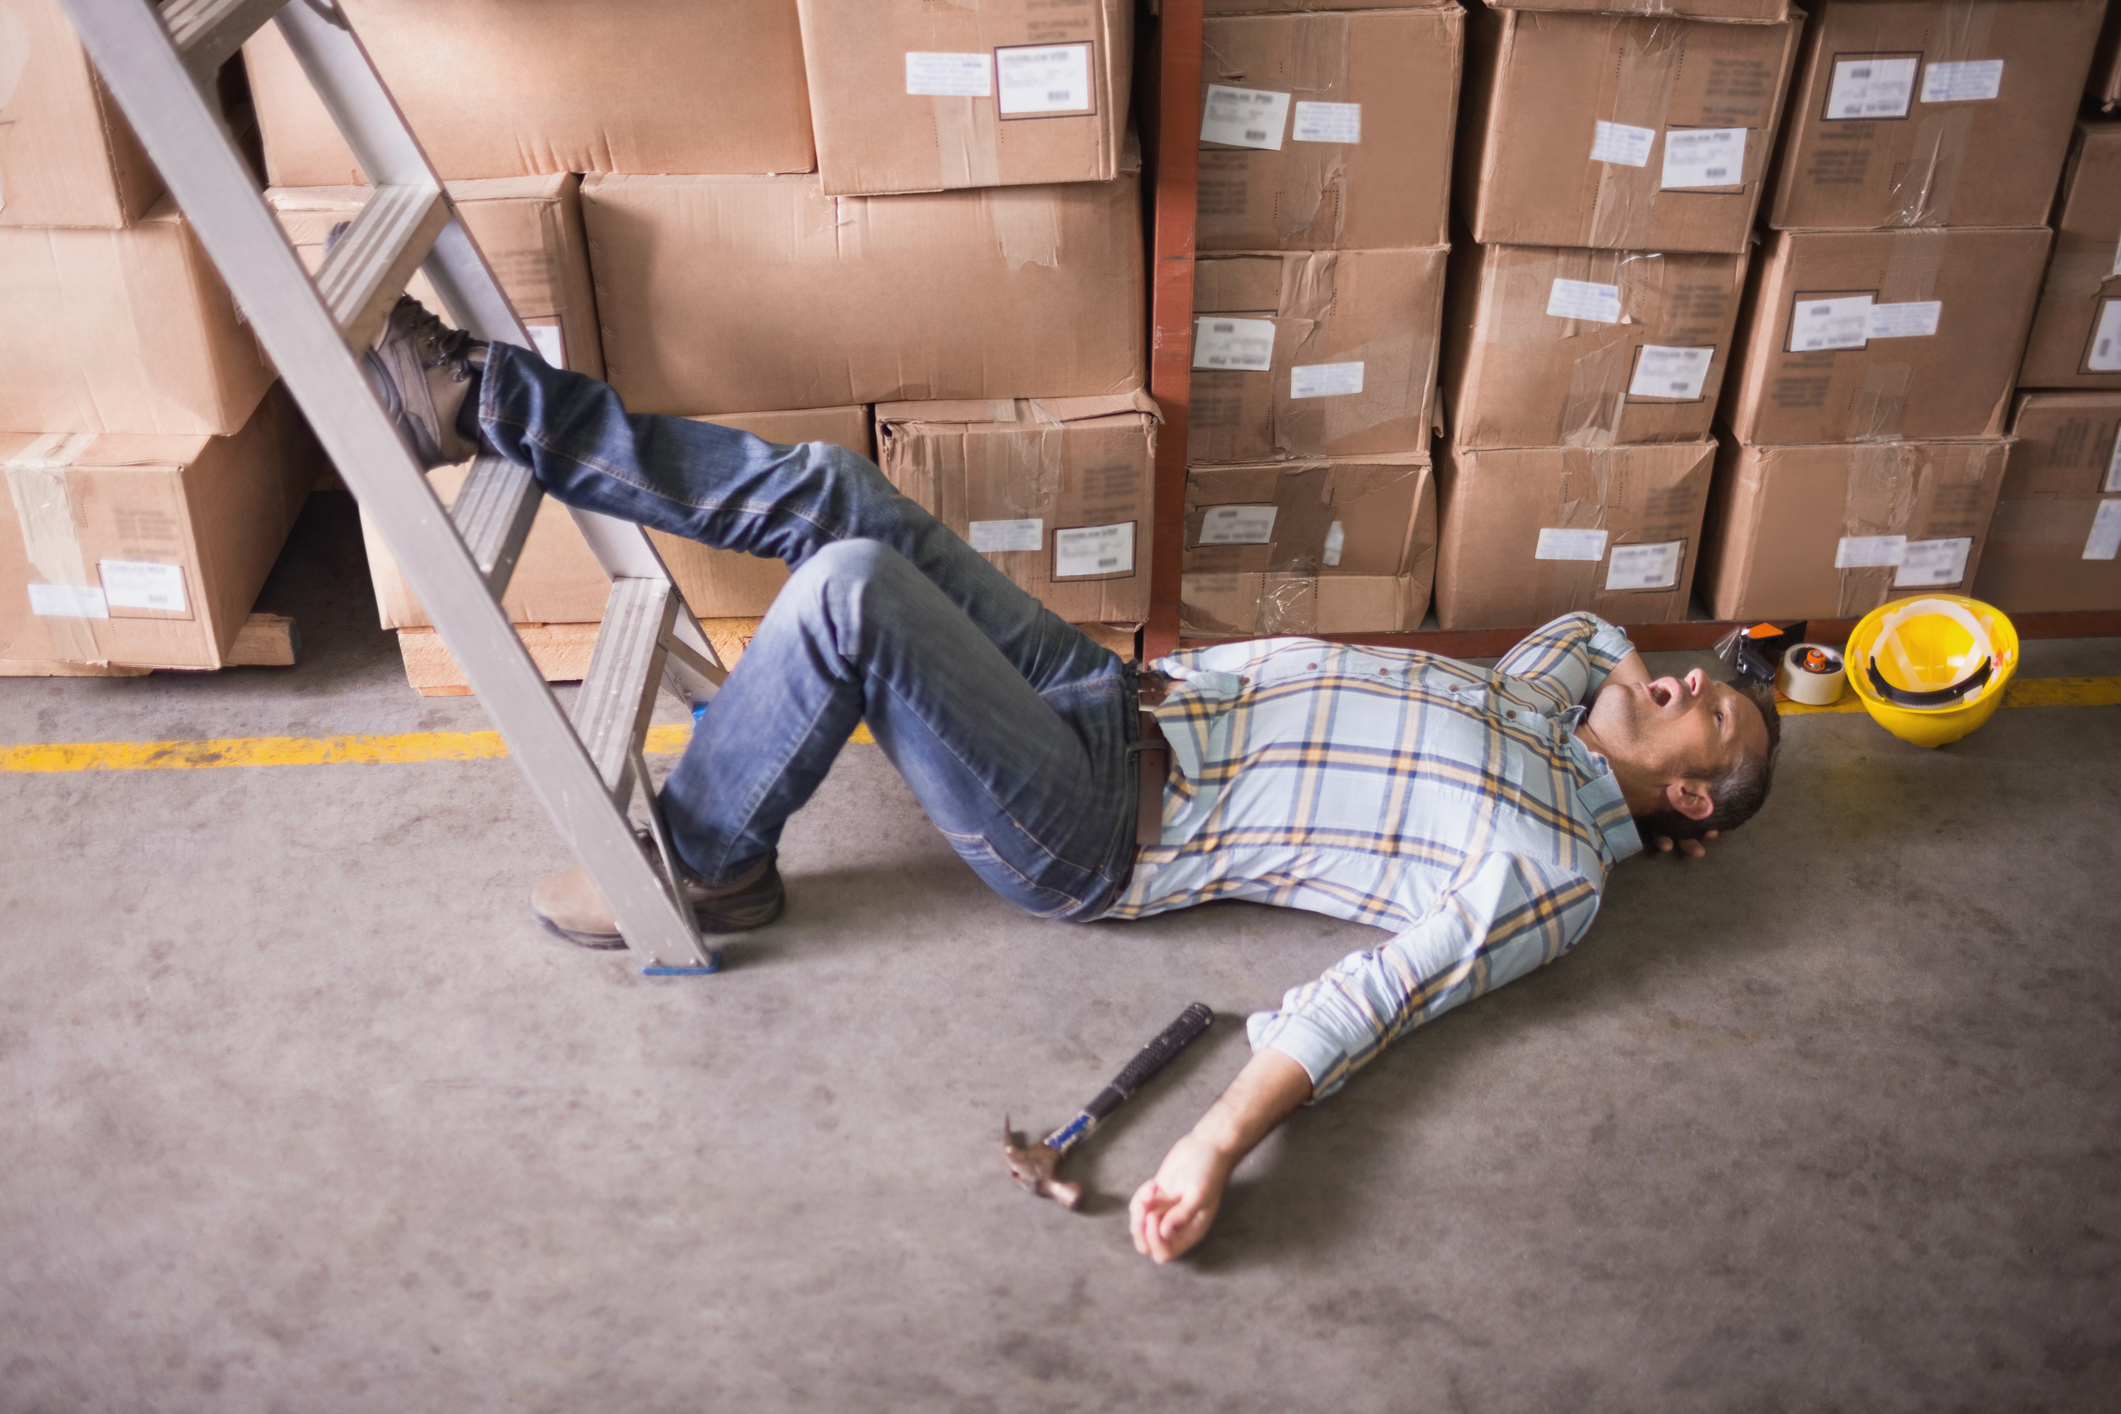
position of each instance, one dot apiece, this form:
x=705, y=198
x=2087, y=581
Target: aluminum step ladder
x=161, y=63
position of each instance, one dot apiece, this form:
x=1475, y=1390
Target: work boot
x=422, y=369
x=569, y=904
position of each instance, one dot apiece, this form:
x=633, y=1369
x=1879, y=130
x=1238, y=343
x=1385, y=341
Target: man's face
x=1691, y=727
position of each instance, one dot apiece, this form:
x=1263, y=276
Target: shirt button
x=1384, y=672
x=1454, y=687
x=1310, y=665
x=1512, y=715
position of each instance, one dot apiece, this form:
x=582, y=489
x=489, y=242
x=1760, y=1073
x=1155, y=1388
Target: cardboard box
x=1329, y=131
x=530, y=230
x=558, y=581
x=1862, y=335
x=67, y=155
x=1619, y=132
x=1059, y=493
x=2103, y=85
x=145, y=550
x=2057, y=530
x=1585, y=348
x=1328, y=545
x=1256, y=7
x=1834, y=531
x=911, y=96
x=1741, y=10
x=1311, y=354
x=1931, y=113
x=743, y=293
x=122, y=331
x=2076, y=335
x=1531, y=533
x=498, y=89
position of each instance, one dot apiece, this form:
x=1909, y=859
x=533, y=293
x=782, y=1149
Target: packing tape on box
x=1879, y=408
x=1811, y=674
x=1318, y=73
x=1879, y=501
x=1026, y=222
x=1922, y=193
x=967, y=142
x=36, y=482
x=1322, y=394
x=1642, y=98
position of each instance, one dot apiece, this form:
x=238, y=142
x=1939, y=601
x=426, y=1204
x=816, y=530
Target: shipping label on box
x=1586, y=347
x=1618, y=133
x=1351, y=151
x=1314, y=354
x=145, y=551
x=1931, y=113
x=1060, y=492
x=2054, y=542
x=2076, y=334
x=1834, y=531
x=498, y=89
x=1869, y=335
x=1530, y=533
x=914, y=97
x=726, y=293
x=67, y=155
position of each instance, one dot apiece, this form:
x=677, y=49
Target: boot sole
x=713, y=924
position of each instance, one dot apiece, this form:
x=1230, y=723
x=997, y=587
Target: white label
x=2113, y=469
x=1246, y=344
x=67, y=601
x=1668, y=371
x=949, y=75
x=2104, y=543
x=1820, y=324
x=1584, y=299
x=1093, y=549
x=1237, y=525
x=1051, y=78
x=1325, y=380
x=993, y=536
x=1617, y=142
x=2106, y=343
x=1558, y=544
x=1863, y=552
x=545, y=338
x=1961, y=83
x=139, y=584
x=1703, y=157
x=1875, y=87
x=1328, y=122
x=1913, y=320
x=1645, y=566
x=1244, y=117
x=1337, y=539
x=1932, y=562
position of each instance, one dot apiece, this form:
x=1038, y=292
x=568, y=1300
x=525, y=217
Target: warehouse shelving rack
x=1170, y=54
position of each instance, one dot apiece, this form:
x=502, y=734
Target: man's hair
x=1740, y=790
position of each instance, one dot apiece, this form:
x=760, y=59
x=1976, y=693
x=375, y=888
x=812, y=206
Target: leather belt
x=1152, y=754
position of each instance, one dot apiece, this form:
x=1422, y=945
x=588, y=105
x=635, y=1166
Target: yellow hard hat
x=1931, y=669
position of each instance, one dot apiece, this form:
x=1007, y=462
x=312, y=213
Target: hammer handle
x=1153, y=1057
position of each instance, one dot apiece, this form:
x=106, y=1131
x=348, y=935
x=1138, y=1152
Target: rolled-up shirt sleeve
x=1569, y=658
x=1501, y=916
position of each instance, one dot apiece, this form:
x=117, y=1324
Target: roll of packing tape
x=1811, y=674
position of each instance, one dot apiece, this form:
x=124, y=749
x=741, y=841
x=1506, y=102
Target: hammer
x=1034, y=1166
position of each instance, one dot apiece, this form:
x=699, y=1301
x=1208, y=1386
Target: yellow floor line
x=296, y=751
x=662, y=741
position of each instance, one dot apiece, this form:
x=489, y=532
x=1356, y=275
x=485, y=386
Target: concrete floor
x=299, y=1112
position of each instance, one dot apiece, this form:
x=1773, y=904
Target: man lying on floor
x=1474, y=812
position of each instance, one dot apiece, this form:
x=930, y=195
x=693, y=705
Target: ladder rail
x=191, y=145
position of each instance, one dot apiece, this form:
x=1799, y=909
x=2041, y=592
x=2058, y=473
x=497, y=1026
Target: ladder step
x=624, y=672
x=494, y=510
x=366, y=271
x=208, y=32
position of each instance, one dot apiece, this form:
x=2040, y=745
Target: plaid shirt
x=1450, y=803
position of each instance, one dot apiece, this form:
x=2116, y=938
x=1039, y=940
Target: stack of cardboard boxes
x=1864, y=424
x=1325, y=154
x=2055, y=543
x=153, y=468
x=959, y=242
x=1609, y=170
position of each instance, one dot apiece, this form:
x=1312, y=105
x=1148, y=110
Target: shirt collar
x=1599, y=792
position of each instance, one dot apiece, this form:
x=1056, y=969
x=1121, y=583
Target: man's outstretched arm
x=1173, y=1210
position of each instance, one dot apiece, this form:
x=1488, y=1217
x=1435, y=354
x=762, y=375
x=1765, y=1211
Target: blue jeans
x=1011, y=726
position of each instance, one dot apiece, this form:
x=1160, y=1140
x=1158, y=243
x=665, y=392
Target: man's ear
x=1690, y=798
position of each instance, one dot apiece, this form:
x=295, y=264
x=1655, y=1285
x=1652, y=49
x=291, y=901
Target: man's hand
x=1692, y=849
x=1172, y=1211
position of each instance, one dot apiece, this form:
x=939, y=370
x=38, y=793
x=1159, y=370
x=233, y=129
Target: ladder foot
x=714, y=964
